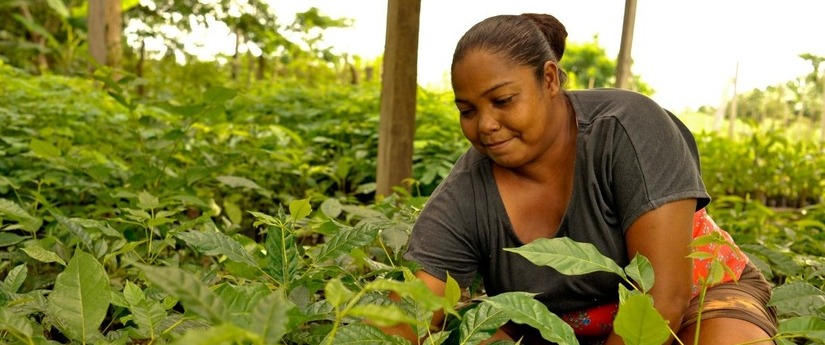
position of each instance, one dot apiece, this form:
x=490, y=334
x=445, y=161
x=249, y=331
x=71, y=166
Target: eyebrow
x=491, y=89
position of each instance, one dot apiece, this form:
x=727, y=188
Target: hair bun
x=554, y=31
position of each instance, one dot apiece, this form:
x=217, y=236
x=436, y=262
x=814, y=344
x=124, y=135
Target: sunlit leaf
x=147, y=201
x=213, y=243
x=41, y=254
x=336, y=293
x=381, y=315
x=299, y=209
x=15, y=278
x=331, y=207
x=567, y=256
x=16, y=325
x=522, y=308
x=639, y=323
x=240, y=300
x=361, y=334
x=75, y=229
x=809, y=327
x=480, y=323
x=282, y=255
x=269, y=317
x=44, y=149
x=80, y=298
x=237, y=181
x=227, y=333
x=195, y=296
x=641, y=271
x=346, y=240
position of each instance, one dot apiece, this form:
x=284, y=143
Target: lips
x=495, y=144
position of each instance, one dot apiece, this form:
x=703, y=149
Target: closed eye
x=500, y=102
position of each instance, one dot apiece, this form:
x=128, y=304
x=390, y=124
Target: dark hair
x=529, y=39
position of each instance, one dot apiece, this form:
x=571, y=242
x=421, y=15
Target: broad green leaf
x=219, y=94
x=233, y=211
x=641, y=271
x=133, y=294
x=798, y=299
x=226, y=333
x=782, y=262
x=299, y=209
x=331, y=207
x=214, y=243
x=381, y=315
x=437, y=338
x=237, y=181
x=75, y=229
x=15, y=278
x=146, y=313
x=639, y=323
x=522, y=308
x=37, y=252
x=59, y=7
x=396, y=237
x=195, y=296
x=44, y=149
x=282, y=255
x=16, y=325
x=80, y=298
x=480, y=323
x=270, y=318
x=567, y=256
x=347, y=239
x=147, y=201
x=9, y=239
x=240, y=300
x=263, y=218
x=361, y=334
x=452, y=291
x=11, y=209
x=809, y=327
x=336, y=293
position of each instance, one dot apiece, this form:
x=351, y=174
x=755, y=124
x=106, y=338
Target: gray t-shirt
x=632, y=156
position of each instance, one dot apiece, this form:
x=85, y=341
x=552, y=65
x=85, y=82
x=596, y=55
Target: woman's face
x=505, y=112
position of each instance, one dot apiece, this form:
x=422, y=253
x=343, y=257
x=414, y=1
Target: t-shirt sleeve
x=656, y=162
x=441, y=240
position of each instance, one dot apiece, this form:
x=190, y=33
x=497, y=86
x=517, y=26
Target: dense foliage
x=247, y=217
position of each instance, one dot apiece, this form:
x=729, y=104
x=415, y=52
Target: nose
x=488, y=122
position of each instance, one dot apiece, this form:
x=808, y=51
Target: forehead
x=481, y=69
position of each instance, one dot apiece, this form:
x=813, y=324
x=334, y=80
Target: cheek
x=468, y=129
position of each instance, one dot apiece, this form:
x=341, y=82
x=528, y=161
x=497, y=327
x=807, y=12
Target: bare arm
x=663, y=235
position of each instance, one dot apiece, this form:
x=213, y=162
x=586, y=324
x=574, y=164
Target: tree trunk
x=42, y=62
x=141, y=89
x=105, y=27
x=625, y=59
x=236, y=58
x=398, y=95
x=259, y=75
x=822, y=114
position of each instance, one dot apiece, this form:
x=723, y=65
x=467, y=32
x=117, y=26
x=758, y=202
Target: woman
x=607, y=167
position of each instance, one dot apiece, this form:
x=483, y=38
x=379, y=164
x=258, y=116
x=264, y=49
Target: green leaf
x=381, y=315
x=195, y=296
x=9, y=239
x=15, y=278
x=639, y=323
x=11, y=209
x=362, y=334
x=415, y=290
x=331, y=208
x=567, y=256
x=37, y=252
x=44, y=149
x=147, y=201
x=452, y=291
x=282, y=255
x=522, y=308
x=147, y=314
x=233, y=211
x=480, y=323
x=336, y=293
x=798, y=299
x=133, y=294
x=240, y=299
x=299, y=209
x=226, y=333
x=236, y=181
x=809, y=327
x=641, y=271
x=270, y=317
x=216, y=243
x=396, y=237
x=782, y=262
x=16, y=325
x=347, y=239
x=59, y=7
x=75, y=229
x=218, y=94
x=437, y=338
x=80, y=298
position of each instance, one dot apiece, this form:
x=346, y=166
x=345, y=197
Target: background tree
x=588, y=66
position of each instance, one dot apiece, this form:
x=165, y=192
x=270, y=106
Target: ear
x=551, y=77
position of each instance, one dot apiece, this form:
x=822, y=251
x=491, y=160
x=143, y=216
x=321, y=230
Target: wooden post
x=822, y=115
x=625, y=59
x=398, y=95
x=97, y=31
